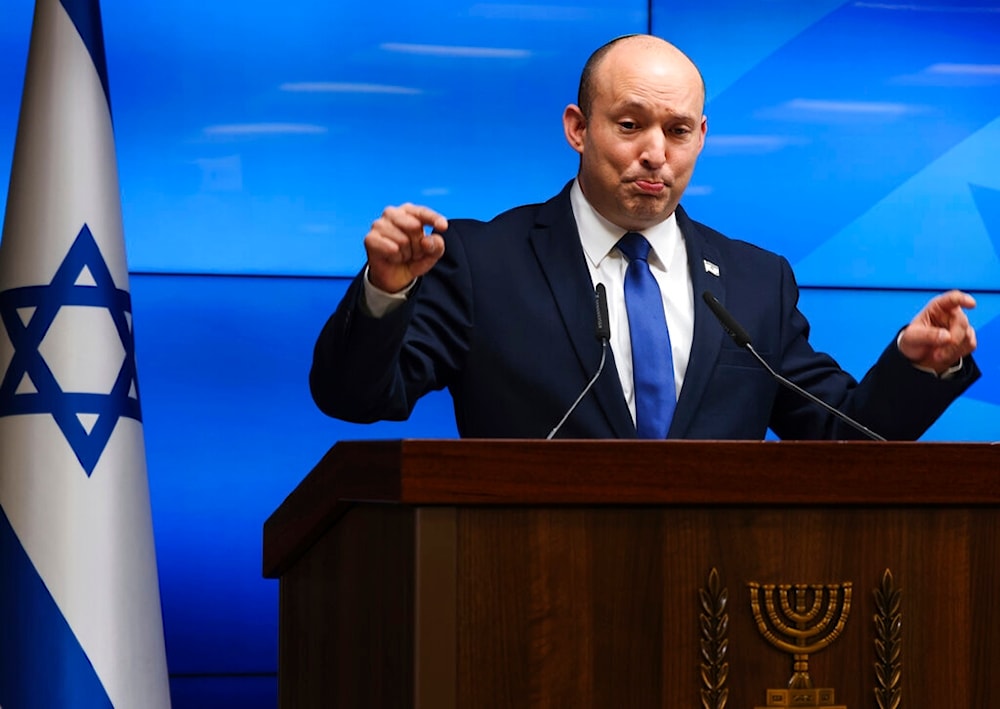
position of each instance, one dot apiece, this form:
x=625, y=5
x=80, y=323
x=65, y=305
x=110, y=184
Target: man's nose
x=654, y=150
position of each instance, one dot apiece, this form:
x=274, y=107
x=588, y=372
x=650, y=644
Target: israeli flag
x=80, y=620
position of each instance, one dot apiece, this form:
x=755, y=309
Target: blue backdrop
x=255, y=147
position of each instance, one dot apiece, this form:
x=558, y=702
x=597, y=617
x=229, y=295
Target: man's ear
x=575, y=127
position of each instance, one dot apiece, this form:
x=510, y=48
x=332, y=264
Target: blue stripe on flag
x=41, y=663
x=86, y=17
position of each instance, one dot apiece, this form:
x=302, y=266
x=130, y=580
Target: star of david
x=29, y=386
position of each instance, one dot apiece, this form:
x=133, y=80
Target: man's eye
x=628, y=125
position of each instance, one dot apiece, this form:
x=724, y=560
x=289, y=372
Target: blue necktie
x=652, y=363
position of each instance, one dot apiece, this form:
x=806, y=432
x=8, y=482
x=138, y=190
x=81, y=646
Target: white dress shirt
x=667, y=261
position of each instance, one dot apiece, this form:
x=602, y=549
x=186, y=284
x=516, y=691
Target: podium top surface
x=617, y=472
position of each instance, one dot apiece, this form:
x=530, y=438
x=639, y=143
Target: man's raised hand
x=940, y=335
x=400, y=249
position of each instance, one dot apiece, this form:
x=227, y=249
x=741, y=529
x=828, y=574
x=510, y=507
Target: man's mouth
x=650, y=187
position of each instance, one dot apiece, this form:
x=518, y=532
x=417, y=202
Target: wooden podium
x=607, y=574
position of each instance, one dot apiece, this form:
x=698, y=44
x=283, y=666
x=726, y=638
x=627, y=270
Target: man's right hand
x=399, y=248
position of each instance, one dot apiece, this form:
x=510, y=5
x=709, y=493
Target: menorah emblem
x=800, y=619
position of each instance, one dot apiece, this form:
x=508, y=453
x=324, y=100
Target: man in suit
x=502, y=313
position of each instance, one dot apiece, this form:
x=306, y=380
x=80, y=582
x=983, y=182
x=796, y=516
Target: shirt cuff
x=379, y=303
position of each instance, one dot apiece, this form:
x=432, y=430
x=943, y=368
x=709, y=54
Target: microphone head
x=729, y=324
x=603, y=331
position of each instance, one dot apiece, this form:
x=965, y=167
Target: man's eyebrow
x=632, y=105
x=644, y=106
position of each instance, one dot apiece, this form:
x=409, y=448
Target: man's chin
x=648, y=214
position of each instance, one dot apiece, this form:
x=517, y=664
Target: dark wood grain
x=626, y=472
x=599, y=607
x=569, y=572
x=346, y=615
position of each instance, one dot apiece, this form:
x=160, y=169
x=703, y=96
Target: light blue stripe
x=86, y=17
x=42, y=666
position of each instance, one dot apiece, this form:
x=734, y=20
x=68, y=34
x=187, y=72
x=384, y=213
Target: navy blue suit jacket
x=506, y=321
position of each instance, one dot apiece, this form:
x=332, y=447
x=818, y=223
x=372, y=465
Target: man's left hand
x=940, y=335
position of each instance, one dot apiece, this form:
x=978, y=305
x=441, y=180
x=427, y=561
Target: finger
x=960, y=299
x=958, y=325
x=963, y=338
x=432, y=246
x=426, y=255
x=425, y=216
x=426, y=247
x=971, y=342
x=918, y=343
x=952, y=350
x=946, y=304
x=388, y=241
x=412, y=221
x=924, y=336
x=387, y=245
x=404, y=221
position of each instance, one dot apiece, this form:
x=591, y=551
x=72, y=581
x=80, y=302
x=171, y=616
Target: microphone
x=742, y=339
x=603, y=333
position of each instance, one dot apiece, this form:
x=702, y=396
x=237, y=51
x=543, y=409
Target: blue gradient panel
x=852, y=137
x=252, y=141
x=224, y=692
x=857, y=139
x=230, y=431
x=15, y=29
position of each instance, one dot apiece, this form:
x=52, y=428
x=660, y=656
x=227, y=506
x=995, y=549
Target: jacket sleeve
x=894, y=398
x=368, y=369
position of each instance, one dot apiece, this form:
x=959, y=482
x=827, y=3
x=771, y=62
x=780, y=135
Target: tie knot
x=634, y=246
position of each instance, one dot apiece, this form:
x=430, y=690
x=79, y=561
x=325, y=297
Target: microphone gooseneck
x=603, y=333
x=742, y=339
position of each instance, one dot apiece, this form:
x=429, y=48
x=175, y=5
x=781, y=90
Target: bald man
x=502, y=312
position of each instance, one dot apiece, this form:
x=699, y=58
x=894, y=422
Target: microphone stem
x=816, y=400
x=600, y=368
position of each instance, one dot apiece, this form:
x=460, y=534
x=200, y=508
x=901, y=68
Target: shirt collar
x=598, y=236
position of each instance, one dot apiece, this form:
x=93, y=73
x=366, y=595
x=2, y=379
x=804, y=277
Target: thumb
x=916, y=339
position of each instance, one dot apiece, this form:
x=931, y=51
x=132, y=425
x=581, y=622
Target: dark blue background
x=256, y=142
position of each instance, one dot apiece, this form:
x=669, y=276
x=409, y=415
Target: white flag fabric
x=80, y=619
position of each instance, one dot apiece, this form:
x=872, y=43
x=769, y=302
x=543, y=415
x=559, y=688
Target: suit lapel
x=555, y=236
x=707, y=273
